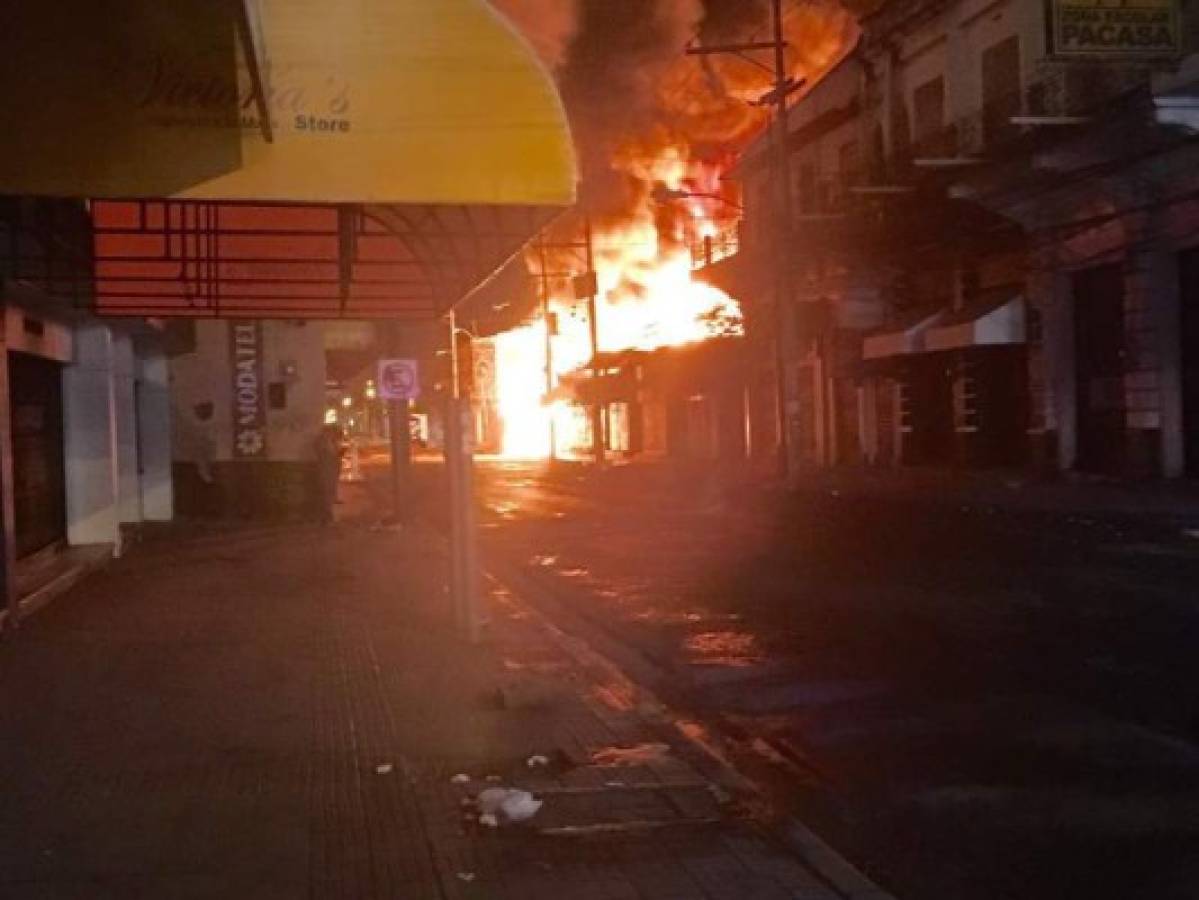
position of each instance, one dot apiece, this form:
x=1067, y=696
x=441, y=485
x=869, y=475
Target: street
x=267, y=712
x=603, y=449
x=967, y=699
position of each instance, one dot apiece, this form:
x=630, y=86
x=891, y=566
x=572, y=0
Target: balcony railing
x=1061, y=92
x=47, y=244
x=713, y=248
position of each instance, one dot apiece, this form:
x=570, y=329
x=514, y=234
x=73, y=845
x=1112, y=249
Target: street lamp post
x=459, y=462
x=549, y=346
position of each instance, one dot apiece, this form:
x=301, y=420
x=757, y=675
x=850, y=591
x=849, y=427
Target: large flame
x=648, y=297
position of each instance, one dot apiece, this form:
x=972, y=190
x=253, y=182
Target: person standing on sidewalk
x=329, y=450
x=196, y=451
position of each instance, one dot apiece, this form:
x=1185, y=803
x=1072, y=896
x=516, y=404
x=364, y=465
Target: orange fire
x=648, y=297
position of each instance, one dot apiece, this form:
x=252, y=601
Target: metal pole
x=401, y=443
x=464, y=552
x=549, y=345
x=597, y=417
x=401, y=455
x=782, y=243
x=10, y=609
x=452, y=439
x=471, y=594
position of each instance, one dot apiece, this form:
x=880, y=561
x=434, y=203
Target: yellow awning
x=401, y=101
x=410, y=148
x=370, y=101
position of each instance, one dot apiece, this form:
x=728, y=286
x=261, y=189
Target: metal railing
x=47, y=243
x=713, y=248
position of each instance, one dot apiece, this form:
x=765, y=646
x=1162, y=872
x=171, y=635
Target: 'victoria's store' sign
x=249, y=402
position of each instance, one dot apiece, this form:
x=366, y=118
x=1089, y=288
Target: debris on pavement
x=528, y=693
x=460, y=778
x=638, y=755
x=507, y=806
x=383, y=769
x=466, y=876
x=537, y=761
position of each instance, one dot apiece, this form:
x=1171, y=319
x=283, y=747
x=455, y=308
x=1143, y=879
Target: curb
x=60, y=584
x=593, y=649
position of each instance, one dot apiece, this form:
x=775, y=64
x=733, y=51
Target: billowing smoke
x=726, y=20
x=645, y=113
x=549, y=25
x=638, y=103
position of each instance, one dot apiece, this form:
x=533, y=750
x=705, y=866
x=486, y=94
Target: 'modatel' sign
x=249, y=404
x=1114, y=29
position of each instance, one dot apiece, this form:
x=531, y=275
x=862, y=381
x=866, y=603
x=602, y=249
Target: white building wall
x=154, y=433
x=125, y=406
x=104, y=417
x=293, y=355
x=203, y=377
x=90, y=437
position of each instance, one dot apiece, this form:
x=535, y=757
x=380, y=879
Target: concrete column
x=154, y=432
x=124, y=377
x=1061, y=374
x=90, y=440
x=1159, y=269
x=1045, y=289
x=8, y=525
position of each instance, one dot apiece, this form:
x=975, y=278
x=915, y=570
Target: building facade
x=993, y=256
x=248, y=400
x=86, y=443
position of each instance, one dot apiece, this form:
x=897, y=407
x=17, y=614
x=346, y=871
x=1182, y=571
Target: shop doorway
x=1188, y=269
x=1099, y=369
x=928, y=392
x=39, y=491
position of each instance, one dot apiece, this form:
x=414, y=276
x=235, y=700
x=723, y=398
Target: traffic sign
x=399, y=379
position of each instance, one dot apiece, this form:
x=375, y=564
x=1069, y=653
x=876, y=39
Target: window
x=965, y=398
x=848, y=164
x=903, y=407
x=805, y=188
x=928, y=109
x=762, y=214
x=1001, y=89
x=277, y=395
x=1034, y=325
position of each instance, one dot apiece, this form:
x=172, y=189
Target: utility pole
x=782, y=247
x=549, y=344
x=599, y=438
x=784, y=87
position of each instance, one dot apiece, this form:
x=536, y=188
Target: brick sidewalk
x=279, y=714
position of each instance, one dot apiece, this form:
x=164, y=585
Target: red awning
x=163, y=258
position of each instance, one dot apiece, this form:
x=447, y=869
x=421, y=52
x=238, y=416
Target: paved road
x=285, y=712
x=970, y=700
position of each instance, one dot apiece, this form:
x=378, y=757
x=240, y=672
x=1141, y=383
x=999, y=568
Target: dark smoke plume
x=625, y=56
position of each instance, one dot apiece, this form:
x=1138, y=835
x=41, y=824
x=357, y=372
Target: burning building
x=657, y=132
